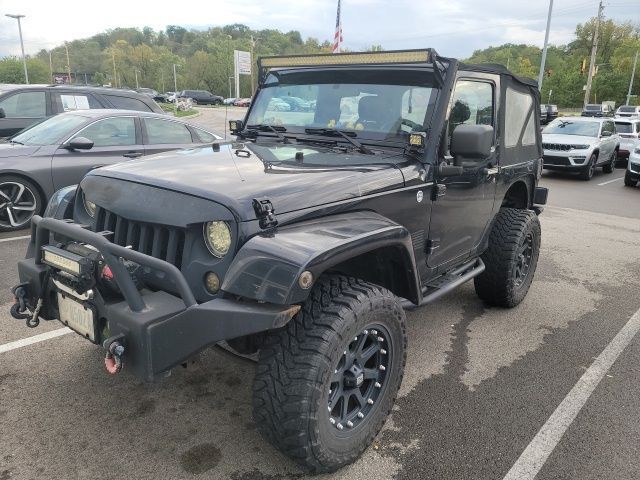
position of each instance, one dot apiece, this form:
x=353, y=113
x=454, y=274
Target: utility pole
x=544, y=49
x=594, y=48
x=175, y=83
x=68, y=62
x=24, y=59
x=136, y=74
x=633, y=74
x=115, y=75
x=50, y=67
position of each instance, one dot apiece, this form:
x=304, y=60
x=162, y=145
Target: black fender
x=268, y=266
x=61, y=203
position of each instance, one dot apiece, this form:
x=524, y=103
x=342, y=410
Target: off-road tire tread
x=628, y=181
x=290, y=365
x=495, y=286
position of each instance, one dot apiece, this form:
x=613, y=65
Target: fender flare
x=268, y=266
x=61, y=203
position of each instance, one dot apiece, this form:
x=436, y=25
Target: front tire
x=511, y=259
x=628, y=181
x=326, y=382
x=20, y=200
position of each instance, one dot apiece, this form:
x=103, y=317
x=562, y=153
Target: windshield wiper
x=15, y=142
x=347, y=136
x=266, y=127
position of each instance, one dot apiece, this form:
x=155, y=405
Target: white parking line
x=11, y=239
x=7, y=347
x=546, y=440
x=610, y=181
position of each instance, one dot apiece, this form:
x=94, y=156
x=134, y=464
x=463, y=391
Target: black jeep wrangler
x=304, y=240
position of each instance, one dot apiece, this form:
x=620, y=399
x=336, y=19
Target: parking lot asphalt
x=480, y=382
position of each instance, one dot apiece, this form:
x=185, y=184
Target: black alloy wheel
x=590, y=169
x=359, y=378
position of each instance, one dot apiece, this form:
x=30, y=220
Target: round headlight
x=90, y=207
x=217, y=237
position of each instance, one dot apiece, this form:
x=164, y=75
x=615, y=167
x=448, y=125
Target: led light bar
x=66, y=261
x=374, y=58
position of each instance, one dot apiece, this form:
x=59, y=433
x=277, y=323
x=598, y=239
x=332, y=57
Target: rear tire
x=511, y=259
x=589, y=170
x=628, y=181
x=308, y=368
x=611, y=166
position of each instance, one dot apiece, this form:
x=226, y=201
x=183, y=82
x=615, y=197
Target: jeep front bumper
x=157, y=329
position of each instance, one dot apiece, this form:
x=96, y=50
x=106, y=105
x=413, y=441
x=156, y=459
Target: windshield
x=593, y=107
x=569, y=127
x=372, y=105
x=627, y=109
x=624, y=127
x=51, y=131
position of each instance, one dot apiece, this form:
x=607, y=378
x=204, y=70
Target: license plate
x=77, y=317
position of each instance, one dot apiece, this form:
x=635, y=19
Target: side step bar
x=448, y=283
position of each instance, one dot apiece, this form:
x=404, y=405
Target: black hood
x=237, y=173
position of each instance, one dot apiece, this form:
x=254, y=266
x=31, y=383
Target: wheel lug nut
x=380, y=339
x=378, y=385
x=339, y=426
x=345, y=352
x=382, y=368
x=370, y=401
x=374, y=332
x=329, y=408
x=332, y=421
x=366, y=332
x=383, y=351
x=350, y=424
x=360, y=415
x=355, y=339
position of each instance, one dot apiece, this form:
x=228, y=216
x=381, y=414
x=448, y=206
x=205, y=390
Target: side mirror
x=79, y=143
x=471, y=142
x=606, y=134
x=2, y=114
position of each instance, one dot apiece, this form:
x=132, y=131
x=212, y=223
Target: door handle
x=133, y=154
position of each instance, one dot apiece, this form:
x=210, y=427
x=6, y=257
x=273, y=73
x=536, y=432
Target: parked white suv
x=580, y=144
x=628, y=111
x=632, y=175
x=629, y=131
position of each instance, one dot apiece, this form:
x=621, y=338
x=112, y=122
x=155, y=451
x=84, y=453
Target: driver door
x=115, y=139
x=462, y=208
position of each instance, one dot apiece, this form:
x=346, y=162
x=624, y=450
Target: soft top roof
x=499, y=69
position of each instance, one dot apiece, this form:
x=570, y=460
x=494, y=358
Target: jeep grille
x=160, y=241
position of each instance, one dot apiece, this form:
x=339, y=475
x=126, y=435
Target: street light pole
x=544, y=49
x=175, y=82
x=24, y=59
x=633, y=74
x=136, y=74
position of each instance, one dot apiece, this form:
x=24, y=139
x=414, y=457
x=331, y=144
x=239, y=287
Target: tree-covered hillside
x=616, y=48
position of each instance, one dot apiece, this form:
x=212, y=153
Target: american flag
x=337, y=39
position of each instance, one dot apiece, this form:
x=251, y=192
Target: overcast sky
x=454, y=27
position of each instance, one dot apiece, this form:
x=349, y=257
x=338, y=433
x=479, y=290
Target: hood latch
x=265, y=212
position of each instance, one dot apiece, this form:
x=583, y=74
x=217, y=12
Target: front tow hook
x=113, y=357
x=19, y=309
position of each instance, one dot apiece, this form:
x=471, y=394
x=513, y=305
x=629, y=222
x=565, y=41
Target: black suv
x=201, y=97
x=307, y=238
x=23, y=106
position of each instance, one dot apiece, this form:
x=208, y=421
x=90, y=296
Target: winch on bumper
x=149, y=331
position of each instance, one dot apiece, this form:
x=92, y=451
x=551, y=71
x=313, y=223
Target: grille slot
x=159, y=241
x=553, y=160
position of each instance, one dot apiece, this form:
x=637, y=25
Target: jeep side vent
x=159, y=241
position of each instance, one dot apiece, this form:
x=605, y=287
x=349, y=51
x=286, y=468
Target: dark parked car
x=201, y=97
x=154, y=94
x=597, y=110
x=59, y=151
x=305, y=239
x=552, y=112
x=24, y=106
